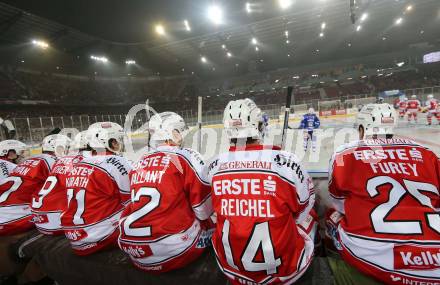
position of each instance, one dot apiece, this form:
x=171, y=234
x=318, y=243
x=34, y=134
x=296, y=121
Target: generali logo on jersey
x=416, y=257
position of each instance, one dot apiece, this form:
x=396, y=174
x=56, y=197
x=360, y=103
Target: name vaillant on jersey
x=375, y=156
x=79, y=177
x=147, y=176
x=245, y=207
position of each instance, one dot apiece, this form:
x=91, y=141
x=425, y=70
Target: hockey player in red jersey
x=385, y=192
x=413, y=108
x=97, y=191
x=51, y=201
x=262, y=198
x=403, y=105
x=11, y=151
x=27, y=178
x=167, y=224
x=433, y=108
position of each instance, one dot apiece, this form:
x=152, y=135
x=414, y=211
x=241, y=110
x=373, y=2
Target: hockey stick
x=199, y=124
x=286, y=116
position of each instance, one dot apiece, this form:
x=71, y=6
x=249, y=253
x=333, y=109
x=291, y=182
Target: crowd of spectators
x=73, y=95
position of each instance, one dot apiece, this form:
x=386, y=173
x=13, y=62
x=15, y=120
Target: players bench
x=53, y=255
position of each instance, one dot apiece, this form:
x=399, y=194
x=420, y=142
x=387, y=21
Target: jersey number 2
x=142, y=212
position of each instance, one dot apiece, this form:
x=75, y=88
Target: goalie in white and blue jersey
x=309, y=123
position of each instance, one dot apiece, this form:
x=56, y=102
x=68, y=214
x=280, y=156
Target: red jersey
x=391, y=223
x=16, y=193
x=51, y=200
x=6, y=168
x=260, y=195
x=432, y=105
x=97, y=191
x=413, y=105
x=403, y=105
x=169, y=198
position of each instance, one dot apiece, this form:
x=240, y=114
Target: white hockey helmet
x=162, y=127
x=100, y=134
x=80, y=141
x=243, y=119
x=413, y=96
x=430, y=96
x=377, y=119
x=311, y=111
x=8, y=145
x=59, y=144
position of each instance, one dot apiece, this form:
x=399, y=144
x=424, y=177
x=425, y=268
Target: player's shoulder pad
x=193, y=156
x=213, y=165
x=48, y=159
x=342, y=148
x=118, y=163
x=6, y=167
x=289, y=166
x=115, y=165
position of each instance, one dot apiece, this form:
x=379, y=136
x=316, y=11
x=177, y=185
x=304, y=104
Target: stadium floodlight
x=215, y=14
x=409, y=8
x=284, y=4
x=400, y=64
x=254, y=41
x=323, y=25
x=130, y=62
x=228, y=54
x=187, y=26
x=223, y=46
x=358, y=28
x=203, y=59
x=286, y=33
x=399, y=21
x=257, y=49
x=363, y=17
x=321, y=34
x=102, y=59
x=160, y=30
x=287, y=42
x=41, y=44
x=248, y=7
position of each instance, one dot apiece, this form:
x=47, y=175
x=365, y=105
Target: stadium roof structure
x=308, y=32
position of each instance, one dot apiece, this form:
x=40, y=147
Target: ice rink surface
x=334, y=132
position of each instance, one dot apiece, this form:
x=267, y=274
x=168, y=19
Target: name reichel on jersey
x=260, y=195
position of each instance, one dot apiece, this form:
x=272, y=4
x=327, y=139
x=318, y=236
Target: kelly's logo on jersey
x=416, y=257
x=75, y=235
